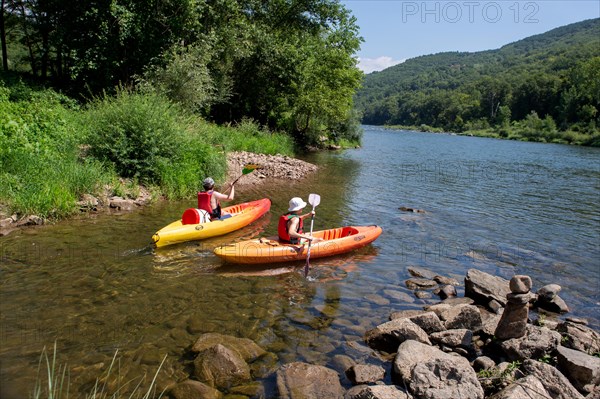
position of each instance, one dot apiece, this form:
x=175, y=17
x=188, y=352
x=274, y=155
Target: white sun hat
x=296, y=204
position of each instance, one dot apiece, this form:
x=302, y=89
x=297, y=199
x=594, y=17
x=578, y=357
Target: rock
x=31, y=220
x=445, y=280
x=483, y=363
x=121, y=203
x=420, y=283
x=579, y=337
x=6, y=222
x=272, y=167
x=535, y=344
x=246, y=348
x=428, y=321
x=388, y=336
x=576, y=320
x=190, y=389
x=301, y=380
x=221, y=367
x=580, y=368
x=365, y=374
x=549, y=291
x=453, y=338
x=484, y=287
x=555, y=383
x=414, y=210
x=406, y=314
x=88, y=202
x=513, y=322
x=458, y=301
x=399, y=296
x=421, y=272
x=341, y=363
x=556, y=304
x=595, y=393
x=520, y=284
x=423, y=294
x=462, y=316
x=529, y=387
x=446, y=291
x=375, y=392
x=430, y=373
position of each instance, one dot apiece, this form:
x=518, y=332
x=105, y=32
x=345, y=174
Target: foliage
x=543, y=88
x=41, y=171
x=52, y=152
x=289, y=66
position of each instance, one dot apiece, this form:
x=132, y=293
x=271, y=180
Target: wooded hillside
x=537, y=87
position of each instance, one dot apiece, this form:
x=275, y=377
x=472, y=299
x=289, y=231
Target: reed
x=53, y=381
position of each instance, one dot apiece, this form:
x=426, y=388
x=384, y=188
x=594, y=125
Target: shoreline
x=271, y=167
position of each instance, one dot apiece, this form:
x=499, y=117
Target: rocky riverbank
x=271, y=168
x=483, y=345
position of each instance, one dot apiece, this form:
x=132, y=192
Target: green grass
x=52, y=151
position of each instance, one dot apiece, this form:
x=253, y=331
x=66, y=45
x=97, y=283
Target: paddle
x=248, y=168
x=314, y=200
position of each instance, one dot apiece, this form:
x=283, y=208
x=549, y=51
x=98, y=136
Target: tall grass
x=40, y=170
x=53, y=381
x=52, y=151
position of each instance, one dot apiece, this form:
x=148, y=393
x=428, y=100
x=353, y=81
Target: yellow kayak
x=234, y=217
x=270, y=250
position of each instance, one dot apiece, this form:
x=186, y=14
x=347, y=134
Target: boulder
x=484, y=287
x=191, y=389
x=453, y=338
x=462, y=316
x=365, y=374
x=375, y=392
x=555, y=383
x=388, y=336
x=529, y=387
x=221, y=367
x=246, y=348
x=537, y=342
x=301, y=380
x=430, y=373
x=580, y=368
x=579, y=337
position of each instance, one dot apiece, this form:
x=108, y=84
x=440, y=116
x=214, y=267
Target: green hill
x=549, y=81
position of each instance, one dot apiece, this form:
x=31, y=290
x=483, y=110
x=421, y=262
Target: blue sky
x=395, y=30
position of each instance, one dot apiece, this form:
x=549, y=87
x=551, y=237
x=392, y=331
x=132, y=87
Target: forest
x=103, y=97
x=542, y=88
x=288, y=66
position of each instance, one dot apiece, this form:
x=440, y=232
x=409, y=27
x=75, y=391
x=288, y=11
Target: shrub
x=136, y=133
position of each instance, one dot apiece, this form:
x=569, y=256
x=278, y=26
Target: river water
x=96, y=287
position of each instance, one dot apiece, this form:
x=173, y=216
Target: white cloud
x=368, y=65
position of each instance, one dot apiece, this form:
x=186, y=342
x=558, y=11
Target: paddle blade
x=314, y=199
x=249, y=168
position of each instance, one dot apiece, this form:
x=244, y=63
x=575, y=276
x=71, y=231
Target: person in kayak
x=290, y=226
x=210, y=200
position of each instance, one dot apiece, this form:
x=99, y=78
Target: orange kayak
x=270, y=250
x=234, y=217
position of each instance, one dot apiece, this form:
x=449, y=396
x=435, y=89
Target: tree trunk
x=3, y=38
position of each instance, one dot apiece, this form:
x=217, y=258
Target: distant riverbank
x=518, y=133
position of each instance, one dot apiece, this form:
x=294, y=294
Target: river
x=95, y=285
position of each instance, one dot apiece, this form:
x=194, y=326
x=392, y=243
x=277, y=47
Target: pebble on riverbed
x=455, y=348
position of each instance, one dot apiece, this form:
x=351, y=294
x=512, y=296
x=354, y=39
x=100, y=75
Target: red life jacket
x=282, y=228
x=204, y=203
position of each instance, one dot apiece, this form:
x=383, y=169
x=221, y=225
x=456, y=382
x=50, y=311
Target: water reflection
x=95, y=284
